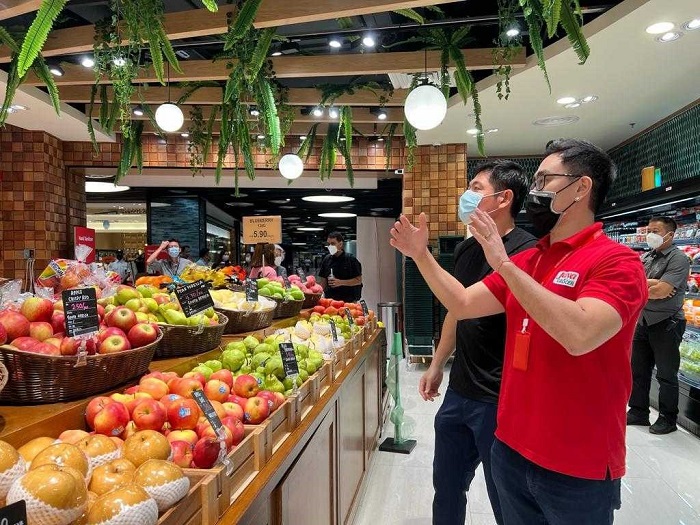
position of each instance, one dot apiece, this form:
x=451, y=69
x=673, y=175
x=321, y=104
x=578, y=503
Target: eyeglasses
x=540, y=180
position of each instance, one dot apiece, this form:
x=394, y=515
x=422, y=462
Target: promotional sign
x=262, y=228
x=15, y=514
x=194, y=297
x=85, y=237
x=80, y=309
x=289, y=359
x=150, y=249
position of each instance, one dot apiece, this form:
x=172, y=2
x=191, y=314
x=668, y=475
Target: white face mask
x=278, y=260
x=654, y=240
x=332, y=249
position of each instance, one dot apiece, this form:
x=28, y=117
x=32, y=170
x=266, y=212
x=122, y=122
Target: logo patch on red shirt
x=566, y=279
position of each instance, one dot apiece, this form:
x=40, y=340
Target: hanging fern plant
x=507, y=47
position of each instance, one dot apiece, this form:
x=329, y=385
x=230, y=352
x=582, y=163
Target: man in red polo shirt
x=571, y=305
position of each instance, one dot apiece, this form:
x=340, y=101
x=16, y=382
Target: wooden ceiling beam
x=274, y=13
x=302, y=67
x=12, y=8
x=212, y=96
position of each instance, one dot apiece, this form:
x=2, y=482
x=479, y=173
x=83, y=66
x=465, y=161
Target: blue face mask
x=174, y=251
x=469, y=202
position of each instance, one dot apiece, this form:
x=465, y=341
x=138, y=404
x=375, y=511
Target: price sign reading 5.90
x=262, y=229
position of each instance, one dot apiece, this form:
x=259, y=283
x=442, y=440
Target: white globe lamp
x=425, y=107
x=169, y=117
x=291, y=166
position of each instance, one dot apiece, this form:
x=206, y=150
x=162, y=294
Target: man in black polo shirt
x=660, y=328
x=341, y=273
x=466, y=421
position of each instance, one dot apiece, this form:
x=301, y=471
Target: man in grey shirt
x=660, y=329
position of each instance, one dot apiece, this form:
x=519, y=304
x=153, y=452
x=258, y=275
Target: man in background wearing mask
x=571, y=306
x=660, y=329
x=174, y=265
x=340, y=275
x=120, y=266
x=466, y=421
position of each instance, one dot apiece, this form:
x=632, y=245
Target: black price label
x=365, y=310
x=15, y=514
x=194, y=297
x=80, y=309
x=251, y=290
x=287, y=285
x=349, y=317
x=208, y=410
x=334, y=331
x=289, y=359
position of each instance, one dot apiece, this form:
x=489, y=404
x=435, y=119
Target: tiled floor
x=662, y=486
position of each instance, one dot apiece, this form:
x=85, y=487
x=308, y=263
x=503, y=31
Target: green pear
x=175, y=317
x=204, y=370
x=198, y=319
x=264, y=348
x=250, y=342
x=245, y=369
x=209, y=312
x=236, y=345
x=214, y=365
x=274, y=366
x=259, y=359
x=273, y=384
x=233, y=359
x=303, y=375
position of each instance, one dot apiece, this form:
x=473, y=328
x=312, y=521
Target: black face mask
x=538, y=206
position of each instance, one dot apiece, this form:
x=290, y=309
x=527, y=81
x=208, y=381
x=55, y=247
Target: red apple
x=202, y=425
x=168, y=400
x=153, y=386
x=183, y=414
x=182, y=453
x=271, y=399
x=40, y=330
x=188, y=436
x=100, y=311
x=167, y=376
x=223, y=375
x=71, y=346
x=246, y=385
x=110, y=331
x=58, y=306
x=228, y=435
x=206, y=452
x=233, y=410
x=196, y=375
x=239, y=400
x=25, y=343
x=280, y=398
x=132, y=389
x=46, y=349
x=3, y=335
x=256, y=410
x=142, y=334
x=37, y=309
x=185, y=386
x=149, y=414
x=216, y=390
x=121, y=317
x=94, y=406
x=58, y=321
x=113, y=344
x=111, y=420
x=156, y=374
x=236, y=427
x=55, y=341
x=15, y=324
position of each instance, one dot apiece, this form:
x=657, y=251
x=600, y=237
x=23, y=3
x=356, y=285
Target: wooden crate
x=304, y=399
x=199, y=506
x=339, y=359
x=325, y=377
x=275, y=429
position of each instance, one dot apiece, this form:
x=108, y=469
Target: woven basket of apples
x=41, y=361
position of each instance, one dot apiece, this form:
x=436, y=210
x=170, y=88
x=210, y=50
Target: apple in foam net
x=37, y=309
x=111, y=476
x=145, y=445
x=15, y=324
x=149, y=414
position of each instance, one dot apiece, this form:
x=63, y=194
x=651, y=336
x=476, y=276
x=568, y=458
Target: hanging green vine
x=507, y=47
x=197, y=132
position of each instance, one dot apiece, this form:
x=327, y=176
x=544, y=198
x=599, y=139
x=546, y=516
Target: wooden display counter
x=307, y=463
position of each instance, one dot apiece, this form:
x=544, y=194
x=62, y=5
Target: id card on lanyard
x=521, y=347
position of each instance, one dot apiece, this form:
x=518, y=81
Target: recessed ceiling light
x=335, y=43
x=309, y=229
x=333, y=112
x=327, y=198
x=56, y=70
x=660, y=27
x=260, y=137
x=103, y=187
x=280, y=201
x=589, y=98
x=298, y=244
x=239, y=204
x=337, y=215
x=492, y=130
x=555, y=121
x=368, y=41
x=318, y=112
x=287, y=207
x=87, y=62
x=473, y=131
x=573, y=105
x=669, y=37
x=138, y=111
x=565, y=100
x=184, y=135
x=692, y=25
x=277, y=53
x=302, y=137
x=513, y=32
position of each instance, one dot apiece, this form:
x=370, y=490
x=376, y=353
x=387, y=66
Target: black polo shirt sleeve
x=677, y=270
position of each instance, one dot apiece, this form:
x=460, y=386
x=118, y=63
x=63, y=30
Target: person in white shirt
x=120, y=266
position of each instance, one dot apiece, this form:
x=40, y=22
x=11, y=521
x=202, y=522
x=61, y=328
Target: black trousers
x=658, y=345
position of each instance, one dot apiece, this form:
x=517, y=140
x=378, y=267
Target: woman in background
x=263, y=262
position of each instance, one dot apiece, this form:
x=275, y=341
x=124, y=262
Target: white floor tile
x=652, y=501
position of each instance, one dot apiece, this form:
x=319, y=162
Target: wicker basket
x=289, y=308
x=39, y=379
x=179, y=341
x=239, y=322
x=311, y=299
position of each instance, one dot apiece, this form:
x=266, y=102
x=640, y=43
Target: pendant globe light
x=169, y=116
x=291, y=166
x=425, y=107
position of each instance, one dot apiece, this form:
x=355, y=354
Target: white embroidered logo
x=566, y=279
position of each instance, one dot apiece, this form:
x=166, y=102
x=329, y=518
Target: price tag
x=365, y=310
x=251, y=290
x=289, y=359
x=301, y=274
x=349, y=317
x=194, y=297
x=208, y=410
x=334, y=331
x=15, y=514
x=287, y=284
x=80, y=309
x=262, y=228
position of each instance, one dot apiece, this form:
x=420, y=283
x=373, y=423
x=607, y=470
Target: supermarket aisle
x=662, y=485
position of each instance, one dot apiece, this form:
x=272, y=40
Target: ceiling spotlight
x=277, y=53
x=332, y=112
x=589, y=98
x=692, y=24
x=473, y=131
x=327, y=198
x=565, y=100
x=572, y=105
x=276, y=50
x=302, y=137
x=56, y=70
x=87, y=62
x=337, y=215
x=184, y=135
x=380, y=113
x=254, y=111
x=119, y=61
x=659, y=28
x=492, y=130
x=380, y=139
x=261, y=137
x=368, y=41
x=335, y=43
x=513, y=32
x=18, y=107
x=317, y=112
x=669, y=37
x=309, y=229
x=138, y=111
